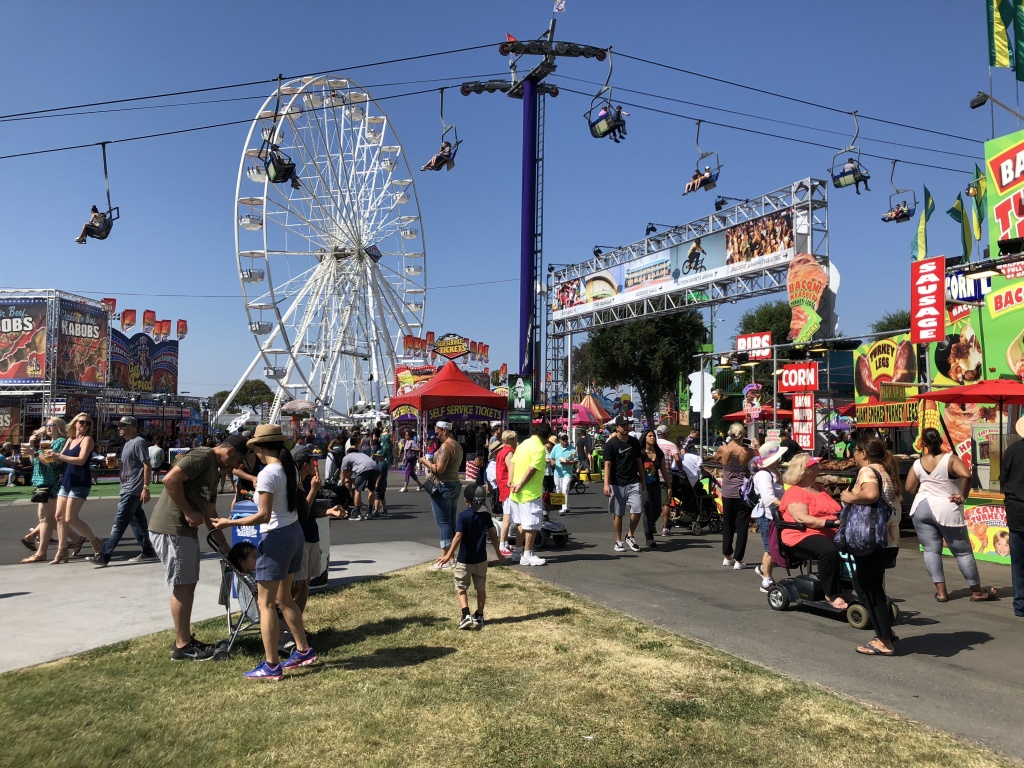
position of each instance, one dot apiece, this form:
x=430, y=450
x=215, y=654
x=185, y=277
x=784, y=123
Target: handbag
x=429, y=486
x=863, y=528
x=41, y=496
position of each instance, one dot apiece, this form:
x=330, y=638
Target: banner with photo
x=745, y=247
x=83, y=331
x=148, y=321
x=182, y=329
x=23, y=341
x=140, y=364
x=10, y=424
x=409, y=377
x=128, y=319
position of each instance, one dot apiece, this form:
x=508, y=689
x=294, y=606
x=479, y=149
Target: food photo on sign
x=23, y=341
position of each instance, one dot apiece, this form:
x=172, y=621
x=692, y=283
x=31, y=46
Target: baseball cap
x=662, y=430
x=301, y=454
x=443, y=425
x=812, y=461
x=621, y=421
x=238, y=442
x=475, y=495
x=563, y=434
x=130, y=421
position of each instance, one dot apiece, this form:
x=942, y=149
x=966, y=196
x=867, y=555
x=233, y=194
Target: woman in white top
x=280, y=550
x=768, y=485
x=876, y=462
x=938, y=514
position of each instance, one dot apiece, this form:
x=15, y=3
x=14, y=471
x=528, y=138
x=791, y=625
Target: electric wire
x=793, y=98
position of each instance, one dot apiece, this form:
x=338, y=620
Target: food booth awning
x=450, y=394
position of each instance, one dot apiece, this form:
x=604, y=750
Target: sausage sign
x=928, y=300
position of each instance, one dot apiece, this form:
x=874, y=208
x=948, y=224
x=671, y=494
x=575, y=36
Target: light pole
x=983, y=98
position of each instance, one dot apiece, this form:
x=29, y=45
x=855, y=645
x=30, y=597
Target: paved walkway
x=45, y=614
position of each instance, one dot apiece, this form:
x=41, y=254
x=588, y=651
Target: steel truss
x=808, y=199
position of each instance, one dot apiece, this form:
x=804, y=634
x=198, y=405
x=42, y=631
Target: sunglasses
x=51, y=424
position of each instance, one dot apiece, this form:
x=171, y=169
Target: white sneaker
x=144, y=559
x=766, y=584
x=728, y=562
x=435, y=566
x=531, y=559
x=403, y=490
x=739, y=566
x=759, y=572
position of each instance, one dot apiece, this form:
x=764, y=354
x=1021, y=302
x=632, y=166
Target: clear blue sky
x=173, y=250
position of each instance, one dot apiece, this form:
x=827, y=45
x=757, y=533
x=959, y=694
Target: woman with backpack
x=938, y=515
x=767, y=487
x=876, y=463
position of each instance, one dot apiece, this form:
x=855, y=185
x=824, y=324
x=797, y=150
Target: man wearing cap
x=1011, y=478
x=135, y=477
x=526, y=490
x=361, y=472
x=791, y=446
x=623, y=469
x=189, y=499
x=564, y=459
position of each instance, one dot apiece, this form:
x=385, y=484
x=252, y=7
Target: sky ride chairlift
x=902, y=202
x=278, y=165
x=445, y=157
x=708, y=178
x=100, y=224
x=851, y=171
x=602, y=117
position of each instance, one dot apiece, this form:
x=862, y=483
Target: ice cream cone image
x=806, y=283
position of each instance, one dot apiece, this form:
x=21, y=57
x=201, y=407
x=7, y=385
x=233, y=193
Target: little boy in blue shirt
x=473, y=527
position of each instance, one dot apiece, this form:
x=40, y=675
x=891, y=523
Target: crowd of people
x=639, y=472
x=759, y=237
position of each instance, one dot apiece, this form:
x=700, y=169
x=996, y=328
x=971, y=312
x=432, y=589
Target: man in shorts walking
x=361, y=471
x=526, y=491
x=189, y=499
x=622, y=472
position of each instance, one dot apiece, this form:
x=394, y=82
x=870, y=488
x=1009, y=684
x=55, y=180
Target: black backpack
x=748, y=493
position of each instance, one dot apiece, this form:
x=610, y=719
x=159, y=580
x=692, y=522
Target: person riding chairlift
x=698, y=179
x=901, y=211
x=94, y=227
x=438, y=161
x=852, y=167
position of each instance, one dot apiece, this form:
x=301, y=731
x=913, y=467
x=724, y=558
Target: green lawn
x=551, y=680
x=101, y=490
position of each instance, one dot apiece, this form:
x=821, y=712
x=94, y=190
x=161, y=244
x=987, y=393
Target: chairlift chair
x=841, y=175
x=897, y=197
x=712, y=169
x=277, y=164
x=601, y=115
x=102, y=231
x=447, y=161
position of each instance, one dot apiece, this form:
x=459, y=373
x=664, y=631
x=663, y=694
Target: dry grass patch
x=551, y=680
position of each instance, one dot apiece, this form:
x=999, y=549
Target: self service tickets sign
x=928, y=300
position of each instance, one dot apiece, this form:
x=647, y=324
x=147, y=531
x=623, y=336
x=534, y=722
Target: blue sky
x=173, y=250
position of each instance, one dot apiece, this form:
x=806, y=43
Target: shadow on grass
x=941, y=644
x=532, y=616
x=385, y=658
x=328, y=638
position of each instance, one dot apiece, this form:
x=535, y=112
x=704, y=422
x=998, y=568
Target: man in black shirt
x=792, y=446
x=1011, y=478
x=622, y=472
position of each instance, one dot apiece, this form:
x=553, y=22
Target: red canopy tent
x=590, y=403
x=448, y=387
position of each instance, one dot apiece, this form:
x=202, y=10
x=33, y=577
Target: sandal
x=28, y=542
x=77, y=546
x=942, y=599
x=874, y=650
x=36, y=558
x=987, y=594
x=842, y=607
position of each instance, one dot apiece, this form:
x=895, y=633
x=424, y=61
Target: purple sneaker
x=299, y=659
x=265, y=671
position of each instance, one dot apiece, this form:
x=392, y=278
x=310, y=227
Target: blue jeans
x=129, y=512
x=445, y=509
x=1017, y=570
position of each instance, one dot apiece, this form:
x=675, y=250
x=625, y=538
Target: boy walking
x=472, y=529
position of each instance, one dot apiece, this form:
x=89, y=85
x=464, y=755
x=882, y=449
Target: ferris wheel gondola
x=332, y=269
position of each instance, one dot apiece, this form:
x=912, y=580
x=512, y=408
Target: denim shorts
x=75, y=492
x=280, y=553
x=762, y=527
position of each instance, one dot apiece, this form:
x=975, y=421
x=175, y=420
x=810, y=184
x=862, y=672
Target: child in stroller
x=338, y=493
x=694, y=506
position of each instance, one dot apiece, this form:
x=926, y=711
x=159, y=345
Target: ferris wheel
x=329, y=245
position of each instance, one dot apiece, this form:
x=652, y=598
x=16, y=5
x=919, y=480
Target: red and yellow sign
x=927, y=300
x=452, y=346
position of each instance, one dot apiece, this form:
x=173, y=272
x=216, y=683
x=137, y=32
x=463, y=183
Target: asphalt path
x=960, y=665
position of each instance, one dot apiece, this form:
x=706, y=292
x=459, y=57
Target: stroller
x=241, y=586
x=334, y=492
x=555, y=534
x=804, y=588
x=694, y=507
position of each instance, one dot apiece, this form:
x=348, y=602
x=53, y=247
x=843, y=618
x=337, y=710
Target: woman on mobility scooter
x=876, y=462
x=808, y=503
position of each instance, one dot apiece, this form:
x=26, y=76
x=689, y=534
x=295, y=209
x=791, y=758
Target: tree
x=890, y=322
x=771, y=316
x=649, y=354
x=582, y=366
x=254, y=392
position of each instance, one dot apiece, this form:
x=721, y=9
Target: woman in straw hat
x=768, y=485
x=278, y=501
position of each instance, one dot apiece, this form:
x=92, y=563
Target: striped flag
x=1018, y=38
x=958, y=214
x=919, y=245
x=980, y=200
x=1000, y=14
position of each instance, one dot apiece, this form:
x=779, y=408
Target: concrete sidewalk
x=49, y=613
